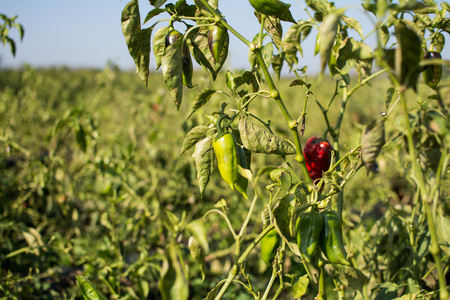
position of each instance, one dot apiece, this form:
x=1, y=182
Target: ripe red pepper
x=317, y=153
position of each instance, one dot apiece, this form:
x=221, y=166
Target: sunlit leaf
x=327, y=35
x=300, y=286
x=372, y=141
x=88, y=290
x=172, y=70
x=138, y=41
x=443, y=231
x=260, y=140
x=389, y=93
x=193, y=136
x=203, y=157
x=201, y=100
x=159, y=44
x=351, y=278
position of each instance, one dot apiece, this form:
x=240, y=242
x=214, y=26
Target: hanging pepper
x=270, y=242
x=217, y=36
x=432, y=73
x=331, y=241
x=308, y=227
x=225, y=149
x=242, y=182
x=186, y=62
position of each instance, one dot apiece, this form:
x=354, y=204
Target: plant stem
x=235, y=269
x=418, y=177
x=293, y=124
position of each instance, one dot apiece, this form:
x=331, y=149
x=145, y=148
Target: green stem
x=269, y=285
x=293, y=124
x=235, y=269
x=419, y=179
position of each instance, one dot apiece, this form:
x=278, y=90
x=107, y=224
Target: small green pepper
x=242, y=183
x=331, y=241
x=227, y=160
x=432, y=73
x=217, y=36
x=229, y=155
x=269, y=245
x=308, y=227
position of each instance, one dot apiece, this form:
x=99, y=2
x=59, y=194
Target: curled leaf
x=259, y=140
x=372, y=140
x=203, y=157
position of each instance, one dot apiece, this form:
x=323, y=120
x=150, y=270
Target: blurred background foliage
x=89, y=159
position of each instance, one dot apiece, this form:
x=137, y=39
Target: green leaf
x=282, y=214
x=153, y=13
x=443, y=231
x=277, y=65
x=259, y=140
x=203, y=157
x=88, y=290
x=321, y=6
x=172, y=70
x=300, y=82
x=267, y=54
x=291, y=44
x=388, y=291
x=273, y=27
x=201, y=100
x=372, y=140
x=138, y=41
x=159, y=44
x=353, y=23
x=300, y=286
x=212, y=294
x=193, y=136
x=407, y=56
x=384, y=35
x=81, y=138
x=231, y=84
x=173, y=283
x=327, y=35
x=351, y=278
x=157, y=3
x=389, y=93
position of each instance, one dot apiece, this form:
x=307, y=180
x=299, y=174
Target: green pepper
x=269, y=245
x=228, y=159
x=242, y=183
x=331, y=241
x=308, y=227
x=217, y=35
x=270, y=7
x=186, y=62
x=225, y=150
x=432, y=73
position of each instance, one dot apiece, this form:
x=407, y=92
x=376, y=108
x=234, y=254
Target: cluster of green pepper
x=313, y=230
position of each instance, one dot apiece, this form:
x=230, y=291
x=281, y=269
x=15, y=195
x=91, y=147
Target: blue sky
x=87, y=33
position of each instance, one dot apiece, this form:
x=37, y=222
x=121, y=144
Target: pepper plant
x=303, y=199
